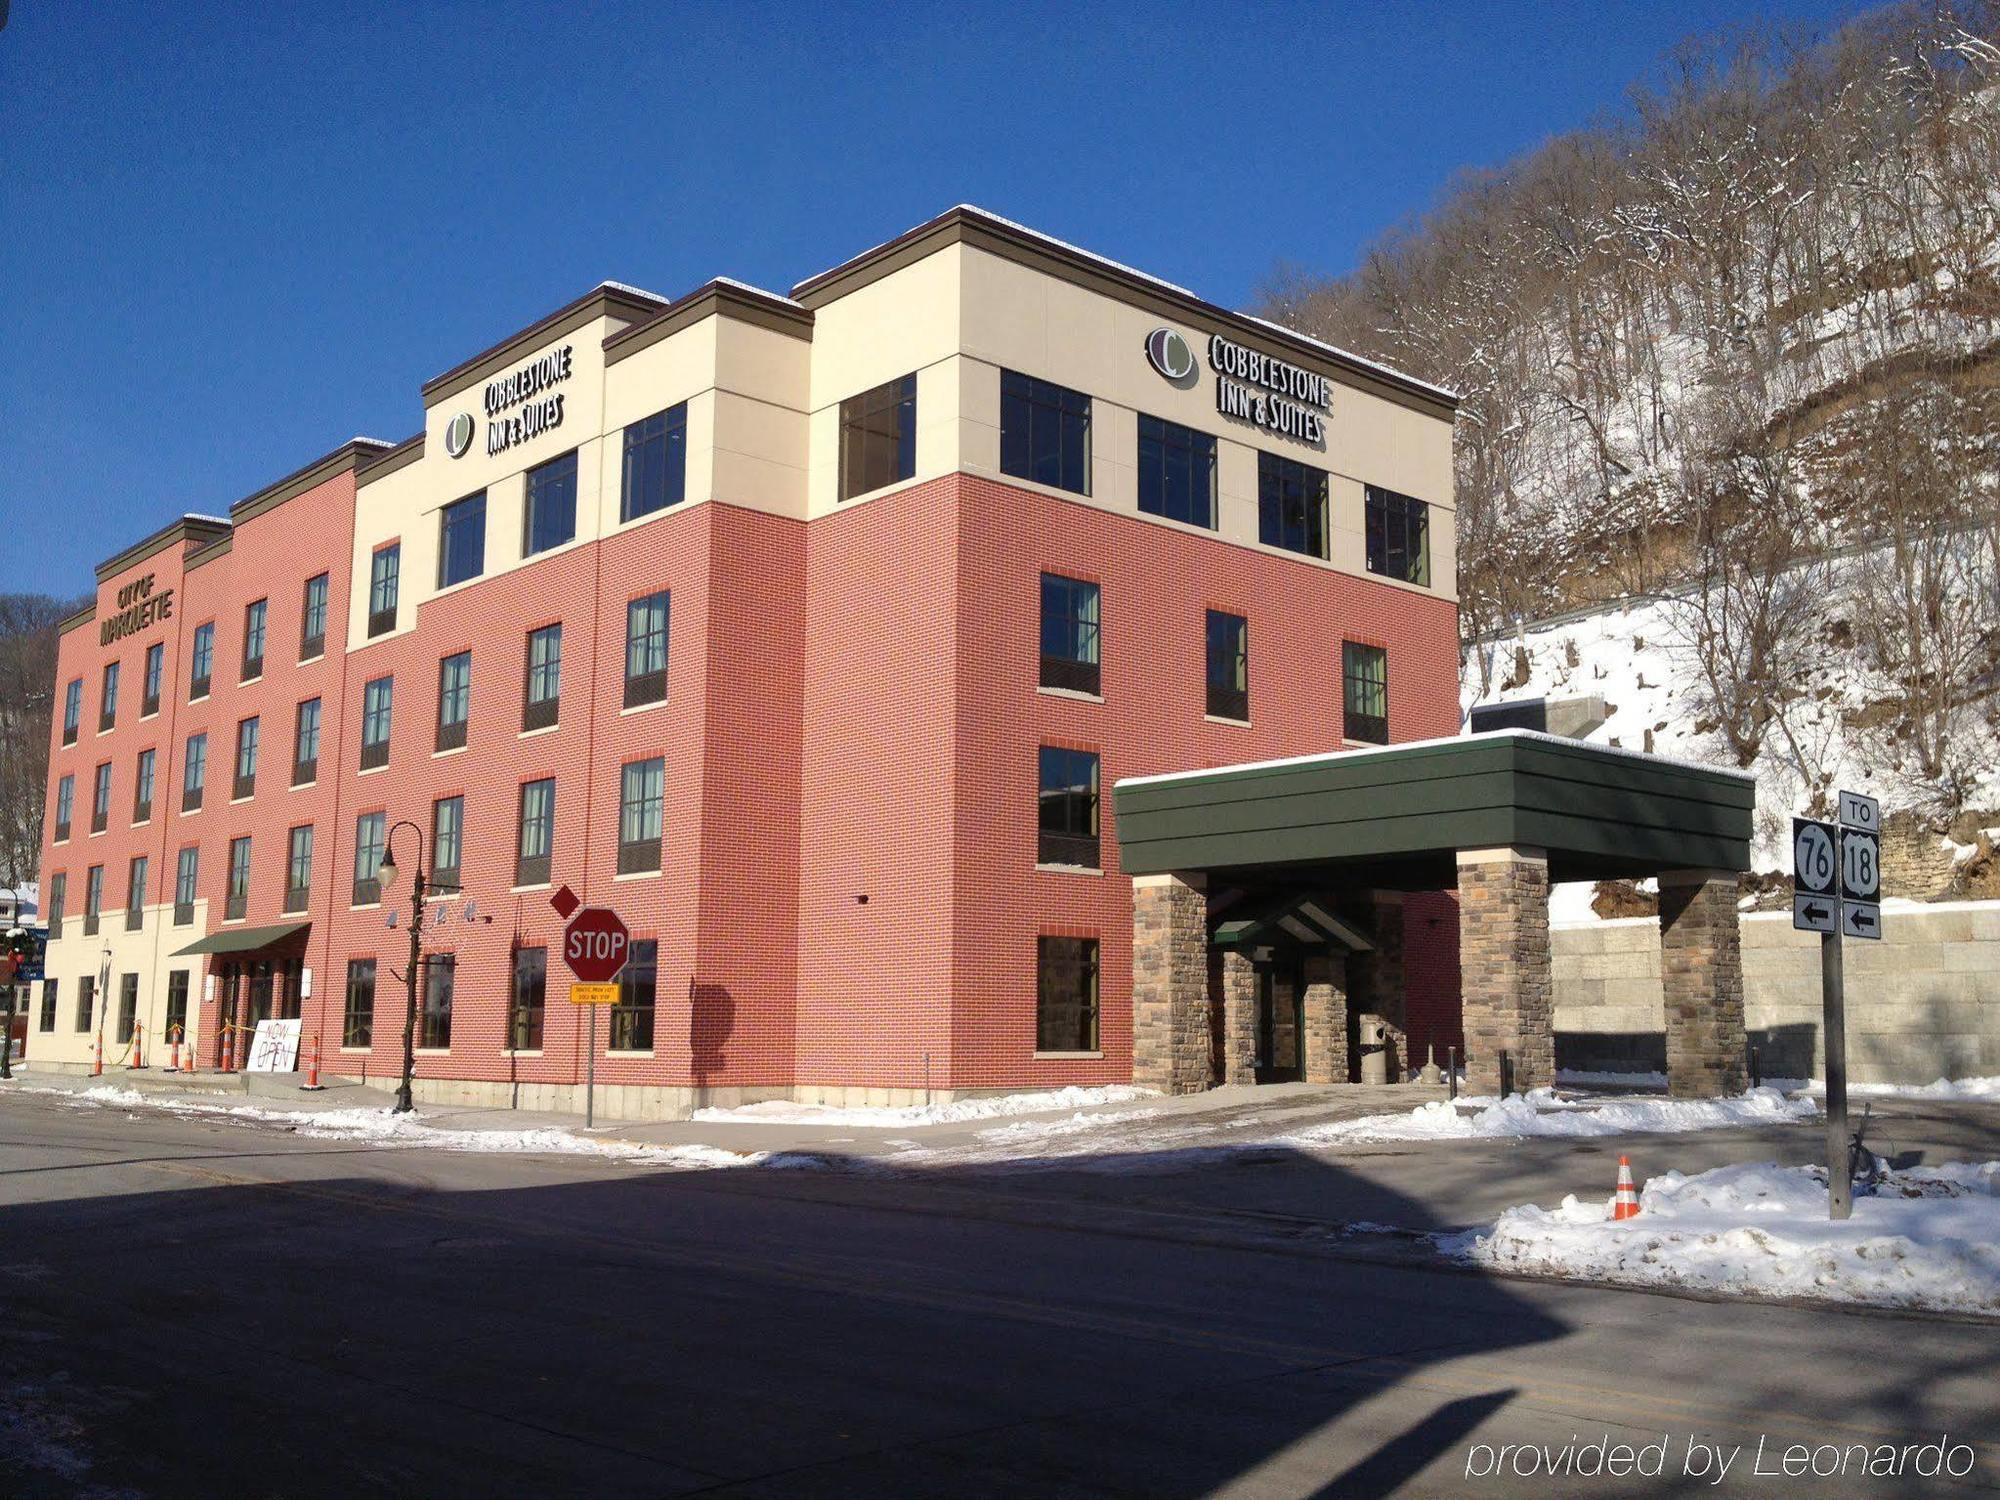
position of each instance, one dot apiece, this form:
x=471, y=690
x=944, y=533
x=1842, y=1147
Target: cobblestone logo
x=458, y=436
x=1170, y=354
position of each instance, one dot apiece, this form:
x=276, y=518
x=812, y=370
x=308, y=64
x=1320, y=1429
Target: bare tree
x=27, y=696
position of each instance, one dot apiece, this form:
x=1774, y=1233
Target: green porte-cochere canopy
x=1396, y=817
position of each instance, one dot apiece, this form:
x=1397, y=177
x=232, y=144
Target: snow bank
x=1541, y=1113
x=1943, y=1088
x=784, y=1112
x=1928, y=1238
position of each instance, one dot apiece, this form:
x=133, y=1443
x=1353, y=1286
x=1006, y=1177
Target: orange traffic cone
x=174, y=1049
x=312, y=1066
x=1626, y=1204
x=97, y=1057
x=138, y=1043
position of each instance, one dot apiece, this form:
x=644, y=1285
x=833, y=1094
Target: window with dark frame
x=454, y=699
x=194, y=771
x=1068, y=829
x=128, y=1008
x=1066, y=992
x=1291, y=505
x=93, y=899
x=305, y=743
x=58, y=897
x=385, y=570
x=538, y=821
x=100, y=799
x=201, y=662
x=86, y=1000
x=1070, y=610
x=550, y=520
x=370, y=833
x=312, y=618
x=142, y=786
x=65, y=806
x=107, y=704
x=248, y=733
x=878, y=437
x=357, y=1026
x=49, y=996
x=655, y=470
x=529, y=999
x=151, y=678
x=632, y=1016
x=378, y=703
x=136, y=880
x=72, y=711
x=541, y=697
x=1044, y=432
x=256, y=616
x=187, y=870
x=447, y=841
x=646, y=649
x=641, y=807
x=1228, y=665
x=1398, y=536
x=236, y=905
x=1177, y=476
x=462, y=540
x=298, y=868
x=177, y=1006
x=1365, y=692
x=440, y=980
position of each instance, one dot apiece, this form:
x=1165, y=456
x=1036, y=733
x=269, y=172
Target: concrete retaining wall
x=1924, y=1003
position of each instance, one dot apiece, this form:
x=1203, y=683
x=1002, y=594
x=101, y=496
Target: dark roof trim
x=193, y=530
x=220, y=547
x=984, y=231
x=401, y=456
x=351, y=454
x=601, y=301
x=82, y=617
x=730, y=298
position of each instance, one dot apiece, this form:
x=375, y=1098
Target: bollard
x=173, y=1049
x=1756, y=1070
x=1451, y=1070
x=228, y=1048
x=1506, y=1074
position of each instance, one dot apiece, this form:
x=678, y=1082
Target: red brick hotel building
x=809, y=632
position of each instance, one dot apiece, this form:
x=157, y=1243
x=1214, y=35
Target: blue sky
x=231, y=237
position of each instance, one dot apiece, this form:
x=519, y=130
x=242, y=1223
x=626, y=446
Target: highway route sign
x=1815, y=913
x=1861, y=919
x=1860, y=866
x=1857, y=811
x=1813, y=861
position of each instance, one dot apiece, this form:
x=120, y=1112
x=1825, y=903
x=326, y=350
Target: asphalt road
x=206, y=1309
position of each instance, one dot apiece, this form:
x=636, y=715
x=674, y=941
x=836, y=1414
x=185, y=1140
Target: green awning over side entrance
x=1288, y=921
x=243, y=939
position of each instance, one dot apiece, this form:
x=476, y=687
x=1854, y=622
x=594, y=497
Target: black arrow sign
x=1862, y=919
x=1818, y=913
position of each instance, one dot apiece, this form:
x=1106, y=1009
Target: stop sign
x=595, y=944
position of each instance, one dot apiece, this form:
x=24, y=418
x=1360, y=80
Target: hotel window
x=237, y=904
x=48, y=1016
x=542, y=694
x=72, y=710
x=1066, y=994
x=255, y=617
x=201, y=661
x=454, y=699
x=641, y=800
x=1365, y=692
x=194, y=771
x=632, y=1016
x=100, y=799
x=299, y=868
x=142, y=786
x=655, y=464
x=447, y=842
x=531, y=989
x=128, y=1007
x=1228, y=665
x=93, y=899
x=136, y=877
x=462, y=540
x=305, y=744
x=358, y=1025
x=538, y=826
x=1070, y=634
x=878, y=437
x=378, y=700
x=370, y=831
x=1068, y=829
x=1399, y=536
x=312, y=619
x=107, y=708
x=86, y=1000
x=149, y=681
x=186, y=872
x=551, y=516
x=646, y=650
x=177, y=1006
x=58, y=897
x=65, y=806
x=1176, y=472
x=1291, y=505
x=385, y=571
x=1044, y=433
x=248, y=733
x=440, y=979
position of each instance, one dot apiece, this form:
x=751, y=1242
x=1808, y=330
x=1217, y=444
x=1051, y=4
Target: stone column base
x=1503, y=955
x=1239, y=1019
x=1326, y=1018
x=1170, y=1035
x=1701, y=981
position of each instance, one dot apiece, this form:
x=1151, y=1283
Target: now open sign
x=596, y=944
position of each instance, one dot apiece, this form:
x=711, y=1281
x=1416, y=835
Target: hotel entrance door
x=1280, y=1021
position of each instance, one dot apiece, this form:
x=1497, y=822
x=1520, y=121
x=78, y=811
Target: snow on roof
x=1344, y=756
x=373, y=442
x=744, y=286
x=636, y=291
x=196, y=515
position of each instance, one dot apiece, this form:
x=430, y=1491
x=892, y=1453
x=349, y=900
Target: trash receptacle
x=1374, y=1039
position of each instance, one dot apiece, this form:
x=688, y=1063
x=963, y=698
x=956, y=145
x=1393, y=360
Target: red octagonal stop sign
x=595, y=944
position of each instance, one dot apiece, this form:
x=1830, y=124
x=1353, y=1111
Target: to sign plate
x=1860, y=865
x=1813, y=864
x=1857, y=811
x=1861, y=919
x=1815, y=913
x=593, y=994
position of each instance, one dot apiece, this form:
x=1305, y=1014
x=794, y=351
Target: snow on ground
x=1585, y=1078
x=1541, y=1113
x=1927, y=1238
x=1943, y=1088
x=986, y=1107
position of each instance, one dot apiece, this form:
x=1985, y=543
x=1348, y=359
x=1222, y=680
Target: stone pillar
x=1503, y=958
x=1170, y=1035
x=1239, y=1018
x=1326, y=1018
x=1376, y=977
x=1701, y=980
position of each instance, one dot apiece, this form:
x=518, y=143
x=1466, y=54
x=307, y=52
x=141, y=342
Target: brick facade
x=1701, y=980
x=1503, y=899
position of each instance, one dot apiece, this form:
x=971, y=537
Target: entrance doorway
x=1281, y=1021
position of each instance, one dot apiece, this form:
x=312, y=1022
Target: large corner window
x=378, y=704
x=632, y=1016
x=1399, y=536
x=1228, y=665
x=538, y=831
x=1365, y=692
x=1066, y=994
x=1068, y=809
x=1070, y=635
x=454, y=699
x=641, y=801
x=1044, y=432
x=462, y=540
x=878, y=437
x=1176, y=472
x=541, y=696
x=646, y=649
x=1291, y=505
x=385, y=576
x=551, y=512
x=655, y=474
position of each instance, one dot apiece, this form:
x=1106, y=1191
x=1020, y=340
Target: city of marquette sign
x=594, y=994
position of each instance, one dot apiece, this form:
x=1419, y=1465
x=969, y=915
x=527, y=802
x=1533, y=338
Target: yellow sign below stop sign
x=593, y=994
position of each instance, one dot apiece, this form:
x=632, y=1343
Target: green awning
x=243, y=939
x=1289, y=921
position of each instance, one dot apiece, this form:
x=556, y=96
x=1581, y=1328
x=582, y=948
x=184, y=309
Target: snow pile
x=1928, y=1238
x=1541, y=1113
x=1944, y=1088
x=988, y=1107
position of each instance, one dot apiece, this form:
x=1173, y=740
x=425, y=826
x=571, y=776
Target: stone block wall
x=1701, y=984
x=1170, y=1024
x=1504, y=966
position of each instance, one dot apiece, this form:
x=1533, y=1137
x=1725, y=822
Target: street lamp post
x=419, y=889
x=10, y=965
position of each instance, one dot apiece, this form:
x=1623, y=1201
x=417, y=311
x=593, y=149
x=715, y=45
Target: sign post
x=595, y=946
